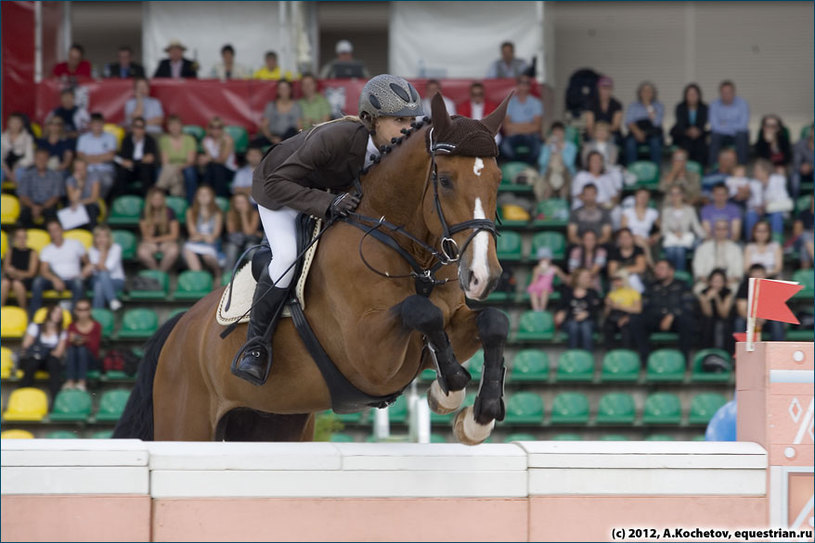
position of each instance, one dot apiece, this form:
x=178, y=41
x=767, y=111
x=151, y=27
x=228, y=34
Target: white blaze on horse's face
x=479, y=265
x=478, y=165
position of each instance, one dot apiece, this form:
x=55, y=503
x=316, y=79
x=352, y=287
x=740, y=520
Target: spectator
x=243, y=177
x=159, y=232
x=643, y=119
x=608, y=191
x=555, y=180
x=680, y=228
x=667, y=307
x=39, y=190
x=104, y=269
x=557, y=144
x=773, y=143
x=142, y=105
x=716, y=306
x=803, y=162
x=739, y=186
x=432, y=87
x=75, y=118
x=178, y=158
x=508, y=65
x=726, y=168
x=722, y=210
x=643, y=221
x=802, y=235
x=19, y=269
x=75, y=66
x=522, y=125
x=271, y=70
x=136, y=160
x=344, y=66
x=477, y=107
x=690, y=131
x=776, y=328
x=60, y=148
x=176, y=66
x=627, y=256
x=718, y=253
x=763, y=250
x=98, y=148
x=314, y=108
x=622, y=302
x=589, y=216
x=680, y=175
x=281, y=118
x=768, y=198
x=590, y=256
x=606, y=109
x=204, y=225
x=124, y=67
x=543, y=276
x=17, y=148
x=579, y=309
x=61, y=263
x=83, y=191
x=43, y=348
x=228, y=68
x=602, y=143
x=218, y=158
x=84, y=337
x=242, y=228
x=729, y=116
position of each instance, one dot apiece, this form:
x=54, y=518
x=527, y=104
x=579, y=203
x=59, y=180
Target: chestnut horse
x=363, y=306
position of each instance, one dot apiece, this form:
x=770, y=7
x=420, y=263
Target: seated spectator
x=136, y=160
x=768, y=198
x=802, y=235
x=522, y=125
x=626, y=255
x=718, y=253
x=555, y=180
x=803, y=162
x=725, y=168
x=75, y=66
x=159, y=232
x=144, y=107
x=20, y=266
x=763, y=250
x=600, y=142
x=60, y=148
x=432, y=87
x=589, y=216
x=477, y=107
x=739, y=186
x=776, y=328
x=83, y=192
x=557, y=144
x=17, y=148
x=98, y=148
x=716, y=307
x=314, y=107
x=75, y=118
x=345, y=66
x=61, y=263
x=508, y=65
x=228, y=68
x=680, y=175
x=643, y=221
x=205, y=222
x=218, y=158
x=643, y=119
x=622, y=302
x=606, y=109
x=176, y=66
x=579, y=309
x=680, y=228
x=667, y=307
x=242, y=228
x=39, y=190
x=690, y=131
x=178, y=160
x=543, y=276
x=271, y=70
x=590, y=256
x=608, y=190
x=124, y=67
x=43, y=349
x=729, y=116
x=281, y=118
x=242, y=183
x=773, y=143
x=84, y=337
x=722, y=210
x=104, y=269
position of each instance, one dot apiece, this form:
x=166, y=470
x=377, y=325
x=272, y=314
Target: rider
x=293, y=177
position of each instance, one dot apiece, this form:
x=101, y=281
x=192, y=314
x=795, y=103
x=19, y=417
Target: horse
x=364, y=306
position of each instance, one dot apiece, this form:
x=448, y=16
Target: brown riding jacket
x=296, y=172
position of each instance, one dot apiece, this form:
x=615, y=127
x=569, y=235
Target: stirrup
x=254, y=344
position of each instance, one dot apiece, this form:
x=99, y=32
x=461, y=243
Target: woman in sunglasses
x=84, y=335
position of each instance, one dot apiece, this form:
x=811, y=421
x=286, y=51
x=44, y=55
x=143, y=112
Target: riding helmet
x=388, y=96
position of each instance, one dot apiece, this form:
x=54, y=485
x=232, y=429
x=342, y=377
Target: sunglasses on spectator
x=78, y=309
x=477, y=94
x=138, y=126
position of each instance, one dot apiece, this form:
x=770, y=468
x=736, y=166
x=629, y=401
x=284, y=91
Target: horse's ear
x=438, y=114
x=493, y=120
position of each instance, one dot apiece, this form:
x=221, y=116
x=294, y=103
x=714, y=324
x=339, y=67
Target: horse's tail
x=137, y=419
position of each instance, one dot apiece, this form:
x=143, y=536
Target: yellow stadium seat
x=16, y=434
x=37, y=239
x=9, y=209
x=29, y=404
x=6, y=363
x=117, y=131
x=13, y=322
x=37, y=129
x=103, y=211
x=3, y=244
x=39, y=317
x=82, y=236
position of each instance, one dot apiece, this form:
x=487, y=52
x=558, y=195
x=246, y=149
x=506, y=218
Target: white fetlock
x=442, y=403
x=468, y=431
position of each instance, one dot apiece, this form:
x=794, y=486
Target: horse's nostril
x=475, y=281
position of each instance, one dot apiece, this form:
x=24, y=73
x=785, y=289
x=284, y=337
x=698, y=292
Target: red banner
x=18, y=57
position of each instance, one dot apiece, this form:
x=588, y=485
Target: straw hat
x=175, y=43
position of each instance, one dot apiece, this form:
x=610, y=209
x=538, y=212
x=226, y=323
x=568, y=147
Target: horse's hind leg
x=249, y=425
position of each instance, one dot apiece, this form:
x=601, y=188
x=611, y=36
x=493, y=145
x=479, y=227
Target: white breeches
x=280, y=229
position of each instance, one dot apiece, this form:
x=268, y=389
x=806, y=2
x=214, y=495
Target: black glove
x=342, y=205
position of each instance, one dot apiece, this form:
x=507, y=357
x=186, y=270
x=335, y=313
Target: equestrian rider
x=293, y=177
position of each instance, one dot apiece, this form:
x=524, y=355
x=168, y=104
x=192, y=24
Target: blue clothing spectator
x=522, y=126
x=643, y=119
x=39, y=190
x=729, y=117
x=508, y=65
x=557, y=144
x=97, y=148
x=722, y=210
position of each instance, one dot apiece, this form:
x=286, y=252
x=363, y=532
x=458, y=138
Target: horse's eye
x=445, y=182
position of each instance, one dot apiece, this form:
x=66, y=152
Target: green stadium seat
x=700, y=437
x=223, y=203
x=536, y=326
x=664, y=337
x=698, y=375
x=620, y=365
x=126, y=211
x=665, y=365
x=104, y=434
x=566, y=437
x=647, y=173
x=240, y=136
x=800, y=335
x=339, y=437
x=179, y=207
x=616, y=408
x=509, y=246
x=659, y=437
x=349, y=418
x=198, y=132
x=802, y=203
x=662, y=408
x=71, y=405
x=519, y=437
x=437, y=438
x=193, y=285
x=61, y=434
x=509, y=170
x=177, y=311
x=161, y=293
x=807, y=279
x=112, y=405
x=138, y=324
x=695, y=167
x=105, y=318
x=551, y=213
x=684, y=276
x=128, y=242
x=398, y=411
x=475, y=365
x=613, y=437
x=703, y=406
x=428, y=375
x=524, y=408
x=575, y=365
x=530, y=365
x=554, y=240
x=570, y=408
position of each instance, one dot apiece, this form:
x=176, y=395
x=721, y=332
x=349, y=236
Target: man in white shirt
x=431, y=88
x=61, y=263
x=719, y=252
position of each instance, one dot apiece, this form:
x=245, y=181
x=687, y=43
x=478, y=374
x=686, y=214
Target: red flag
x=740, y=337
x=769, y=300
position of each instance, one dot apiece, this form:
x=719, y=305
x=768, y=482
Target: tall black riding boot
x=256, y=355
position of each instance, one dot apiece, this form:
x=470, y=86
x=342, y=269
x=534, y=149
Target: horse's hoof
x=442, y=403
x=458, y=378
x=468, y=431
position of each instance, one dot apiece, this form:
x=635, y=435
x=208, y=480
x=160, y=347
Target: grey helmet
x=388, y=96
